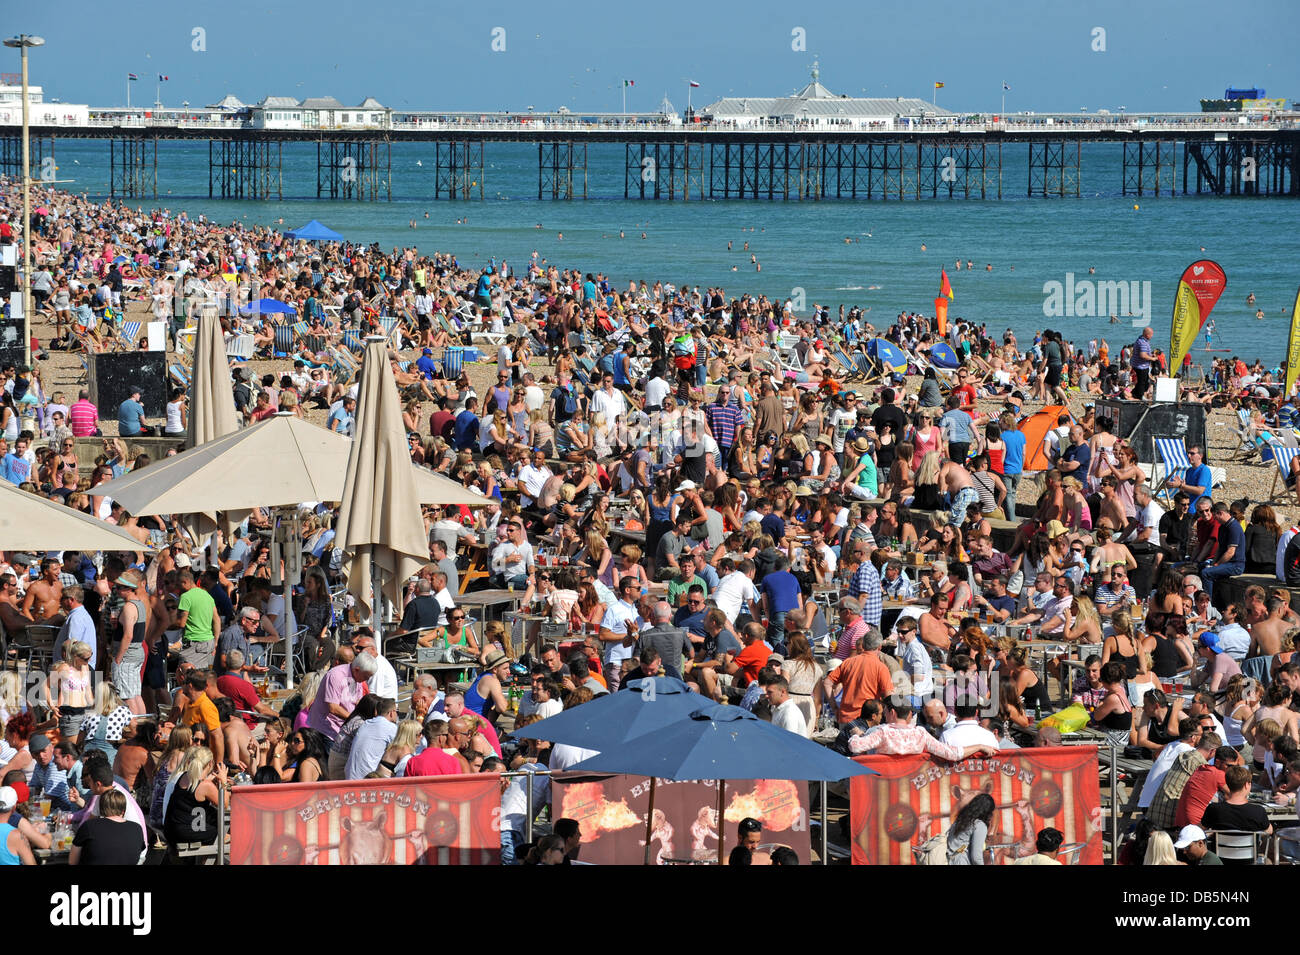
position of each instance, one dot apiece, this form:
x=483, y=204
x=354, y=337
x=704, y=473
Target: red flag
x=945, y=288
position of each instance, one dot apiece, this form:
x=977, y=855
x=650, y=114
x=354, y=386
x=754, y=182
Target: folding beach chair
x=284, y=339
x=353, y=341
x=124, y=337
x=241, y=347
x=1173, y=456
x=179, y=374
x=846, y=364
x=345, y=366
x=1282, y=457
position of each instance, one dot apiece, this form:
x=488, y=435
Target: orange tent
x=1035, y=427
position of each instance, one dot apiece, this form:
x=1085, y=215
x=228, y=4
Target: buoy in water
x=1136, y=207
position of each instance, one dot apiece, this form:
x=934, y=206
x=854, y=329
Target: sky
x=1149, y=55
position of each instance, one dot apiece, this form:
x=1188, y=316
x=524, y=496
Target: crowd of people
x=680, y=483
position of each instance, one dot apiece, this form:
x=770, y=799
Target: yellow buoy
x=1136, y=207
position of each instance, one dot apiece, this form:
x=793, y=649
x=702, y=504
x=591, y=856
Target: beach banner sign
x=1199, y=288
x=941, y=315
x=611, y=815
x=914, y=798
x=1293, y=348
x=438, y=820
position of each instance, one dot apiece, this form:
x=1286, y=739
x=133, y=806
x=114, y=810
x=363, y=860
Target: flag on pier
x=132, y=76
x=1199, y=288
x=629, y=82
x=693, y=83
x=162, y=79
x=938, y=85
x=1006, y=87
x=945, y=287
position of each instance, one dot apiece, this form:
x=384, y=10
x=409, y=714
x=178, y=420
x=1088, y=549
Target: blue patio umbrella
x=887, y=353
x=120, y=259
x=721, y=742
x=268, y=306
x=610, y=720
x=943, y=356
x=314, y=232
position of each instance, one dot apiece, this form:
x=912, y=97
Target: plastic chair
x=1234, y=845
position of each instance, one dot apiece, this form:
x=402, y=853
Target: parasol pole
x=722, y=822
x=649, y=820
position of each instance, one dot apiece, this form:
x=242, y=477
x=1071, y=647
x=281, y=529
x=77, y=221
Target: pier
x=898, y=158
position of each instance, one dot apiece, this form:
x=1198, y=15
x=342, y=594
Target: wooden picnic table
x=485, y=600
x=477, y=552
x=636, y=537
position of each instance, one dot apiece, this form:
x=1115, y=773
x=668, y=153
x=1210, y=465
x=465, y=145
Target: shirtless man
x=45, y=594
x=11, y=615
x=935, y=630
x=234, y=732
x=1111, y=509
x=1266, y=634
x=1256, y=608
x=956, y=480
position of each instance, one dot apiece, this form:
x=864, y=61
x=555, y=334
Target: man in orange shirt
x=752, y=658
x=864, y=676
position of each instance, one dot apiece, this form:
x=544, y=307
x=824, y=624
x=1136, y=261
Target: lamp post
x=22, y=42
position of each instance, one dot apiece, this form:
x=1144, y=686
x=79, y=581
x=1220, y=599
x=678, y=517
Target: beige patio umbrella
x=280, y=462
x=30, y=522
x=212, y=408
x=380, y=527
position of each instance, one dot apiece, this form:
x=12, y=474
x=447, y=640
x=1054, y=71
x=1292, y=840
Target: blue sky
x=1159, y=54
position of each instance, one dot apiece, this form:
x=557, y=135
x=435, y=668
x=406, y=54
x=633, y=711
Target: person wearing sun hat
x=486, y=695
x=862, y=480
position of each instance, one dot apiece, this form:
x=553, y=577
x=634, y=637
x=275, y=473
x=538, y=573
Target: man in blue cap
x=428, y=367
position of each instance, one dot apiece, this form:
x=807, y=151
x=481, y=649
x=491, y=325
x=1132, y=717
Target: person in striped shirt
x=724, y=420
x=83, y=417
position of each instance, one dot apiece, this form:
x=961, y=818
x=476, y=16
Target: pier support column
x=245, y=168
x=1149, y=167
x=458, y=169
x=1054, y=168
x=557, y=167
x=133, y=167
x=353, y=169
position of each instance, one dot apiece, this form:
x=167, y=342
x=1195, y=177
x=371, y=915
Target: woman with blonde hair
x=1086, y=627
x=191, y=811
x=926, y=491
x=925, y=440
x=602, y=436
x=600, y=558
x=102, y=729
x=540, y=434
x=69, y=690
x=1160, y=850
x=173, y=754
x=1123, y=646
x=638, y=518
x=399, y=751
x=499, y=433
x=307, y=690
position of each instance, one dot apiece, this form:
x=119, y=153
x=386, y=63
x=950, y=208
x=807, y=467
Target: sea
x=882, y=255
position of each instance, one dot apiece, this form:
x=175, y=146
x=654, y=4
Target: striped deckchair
x=353, y=340
x=284, y=339
x=1173, y=455
x=345, y=366
x=1282, y=457
x=124, y=337
x=241, y=347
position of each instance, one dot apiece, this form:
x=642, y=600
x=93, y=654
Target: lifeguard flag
x=945, y=287
x=941, y=314
x=1198, y=290
x=1293, y=349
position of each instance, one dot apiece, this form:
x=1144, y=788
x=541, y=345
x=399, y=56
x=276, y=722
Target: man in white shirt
x=534, y=398
x=371, y=741
x=656, y=390
x=1145, y=527
x=1189, y=736
x=438, y=584
x=450, y=530
x=915, y=660
x=967, y=730
x=619, y=629
x=512, y=560
x=531, y=477
x=384, y=682
x=608, y=401
x=505, y=357
x=736, y=591
x=1280, y=559
x=785, y=712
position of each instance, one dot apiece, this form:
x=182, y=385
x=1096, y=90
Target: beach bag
x=1069, y=720
x=684, y=352
x=934, y=851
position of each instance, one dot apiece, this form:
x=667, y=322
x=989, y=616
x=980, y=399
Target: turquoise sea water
x=801, y=245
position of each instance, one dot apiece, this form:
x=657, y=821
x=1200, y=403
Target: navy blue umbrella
x=610, y=720
x=721, y=742
x=943, y=356
x=268, y=306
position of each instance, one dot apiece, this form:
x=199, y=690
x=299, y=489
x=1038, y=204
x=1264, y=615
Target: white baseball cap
x=8, y=798
x=1188, y=835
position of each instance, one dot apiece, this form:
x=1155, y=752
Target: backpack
x=569, y=402
x=934, y=851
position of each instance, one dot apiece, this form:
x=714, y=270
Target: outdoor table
x=477, y=552
x=409, y=663
x=51, y=856
x=636, y=537
x=485, y=600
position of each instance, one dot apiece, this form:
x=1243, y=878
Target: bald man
x=672, y=643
